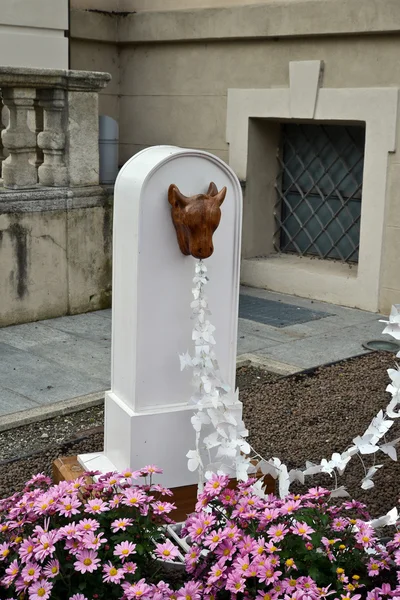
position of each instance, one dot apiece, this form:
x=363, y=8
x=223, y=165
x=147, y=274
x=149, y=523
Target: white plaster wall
x=32, y=33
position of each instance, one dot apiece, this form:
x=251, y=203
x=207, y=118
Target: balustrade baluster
x=53, y=171
x=17, y=169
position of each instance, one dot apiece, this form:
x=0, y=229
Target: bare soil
x=310, y=416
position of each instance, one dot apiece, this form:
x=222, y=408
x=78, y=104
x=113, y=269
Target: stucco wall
x=91, y=55
x=175, y=92
x=32, y=33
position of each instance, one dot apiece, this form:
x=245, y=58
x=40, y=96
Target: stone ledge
x=82, y=81
x=54, y=199
x=274, y=19
x=95, y=26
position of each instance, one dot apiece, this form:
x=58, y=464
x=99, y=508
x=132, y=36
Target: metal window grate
x=319, y=185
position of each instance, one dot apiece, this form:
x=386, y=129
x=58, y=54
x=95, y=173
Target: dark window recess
x=319, y=189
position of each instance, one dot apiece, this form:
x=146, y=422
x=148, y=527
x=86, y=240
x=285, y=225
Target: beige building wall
x=99, y=56
x=175, y=72
x=32, y=33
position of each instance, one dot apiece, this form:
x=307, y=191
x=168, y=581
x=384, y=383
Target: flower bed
x=92, y=541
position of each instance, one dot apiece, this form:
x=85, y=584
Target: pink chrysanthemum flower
x=215, y=484
x=26, y=549
x=134, y=497
x=290, y=507
x=267, y=574
x=162, y=490
x=303, y=530
x=130, y=567
x=87, y=562
x=93, y=541
x=235, y=583
x=121, y=524
x=317, y=492
x=78, y=597
x=160, y=508
x=4, y=551
x=112, y=574
x=70, y=531
x=69, y=506
x=373, y=568
x=277, y=532
x=51, y=569
x=45, y=545
x=242, y=564
x=96, y=507
x=31, y=572
x=190, y=591
x=339, y=524
x=73, y=546
x=40, y=590
x=214, y=539
x=246, y=544
x=124, y=549
x=115, y=501
x=226, y=550
x=11, y=573
x=88, y=525
x=166, y=551
x=217, y=572
x=136, y=590
x=151, y=470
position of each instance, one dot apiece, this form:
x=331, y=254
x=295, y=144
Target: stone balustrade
x=51, y=138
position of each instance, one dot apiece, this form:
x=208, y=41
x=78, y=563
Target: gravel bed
x=308, y=417
x=296, y=418
x=39, y=436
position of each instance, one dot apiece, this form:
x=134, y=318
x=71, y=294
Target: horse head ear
x=212, y=189
x=220, y=196
x=176, y=198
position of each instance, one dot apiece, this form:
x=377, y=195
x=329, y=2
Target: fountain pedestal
x=147, y=410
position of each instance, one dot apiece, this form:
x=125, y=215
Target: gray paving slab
x=41, y=379
x=91, y=326
x=250, y=343
x=281, y=335
x=83, y=356
x=106, y=313
x=31, y=335
x=329, y=347
x=11, y=402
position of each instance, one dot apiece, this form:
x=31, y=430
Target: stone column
x=82, y=131
x=53, y=171
x=18, y=139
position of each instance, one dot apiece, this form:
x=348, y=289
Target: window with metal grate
x=319, y=189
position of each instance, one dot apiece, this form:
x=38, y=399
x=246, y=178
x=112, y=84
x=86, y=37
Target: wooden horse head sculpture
x=195, y=219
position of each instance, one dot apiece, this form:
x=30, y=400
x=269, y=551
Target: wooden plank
x=66, y=468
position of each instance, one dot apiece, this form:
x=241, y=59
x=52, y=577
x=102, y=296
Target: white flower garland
x=220, y=431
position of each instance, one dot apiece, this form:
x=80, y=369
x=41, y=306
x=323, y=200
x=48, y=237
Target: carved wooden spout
x=195, y=219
